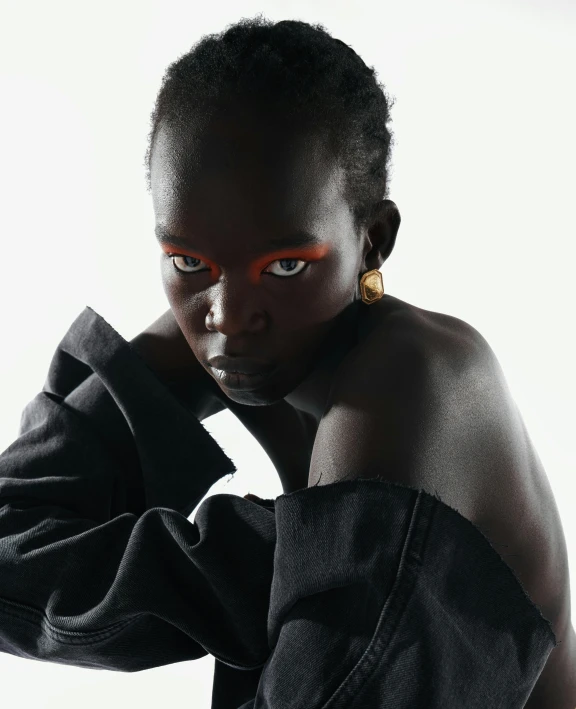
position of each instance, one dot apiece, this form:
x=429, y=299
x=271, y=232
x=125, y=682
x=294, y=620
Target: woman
x=267, y=165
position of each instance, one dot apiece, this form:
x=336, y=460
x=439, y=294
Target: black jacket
x=358, y=594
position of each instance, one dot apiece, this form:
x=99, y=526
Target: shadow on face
x=260, y=258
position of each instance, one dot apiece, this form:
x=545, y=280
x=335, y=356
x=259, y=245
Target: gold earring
x=371, y=286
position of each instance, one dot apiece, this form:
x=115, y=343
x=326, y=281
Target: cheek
x=180, y=295
x=189, y=308
x=336, y=289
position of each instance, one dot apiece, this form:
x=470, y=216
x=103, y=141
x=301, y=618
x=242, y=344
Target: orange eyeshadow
x=305, y=253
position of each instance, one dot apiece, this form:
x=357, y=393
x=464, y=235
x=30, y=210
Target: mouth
x=239, y=365
x=241, y=381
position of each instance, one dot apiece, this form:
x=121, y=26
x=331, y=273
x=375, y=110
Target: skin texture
x=422, y=401
x=220, y=196
x=227, y=215
x=164, y=349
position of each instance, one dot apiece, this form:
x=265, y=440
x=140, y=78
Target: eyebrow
x=295, y=240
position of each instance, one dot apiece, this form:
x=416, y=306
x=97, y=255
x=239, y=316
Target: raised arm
x=164, y=349
x=285, y=434
x=99, y=566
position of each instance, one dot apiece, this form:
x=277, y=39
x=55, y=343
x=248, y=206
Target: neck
x=311, y=395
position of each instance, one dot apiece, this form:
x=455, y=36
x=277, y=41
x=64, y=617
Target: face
x=259, y=256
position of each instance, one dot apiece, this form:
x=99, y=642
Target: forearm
x=164, y=349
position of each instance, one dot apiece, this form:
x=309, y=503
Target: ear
x=381, y=234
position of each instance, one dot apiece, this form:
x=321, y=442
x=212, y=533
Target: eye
x=195, y=261
x=288, y=267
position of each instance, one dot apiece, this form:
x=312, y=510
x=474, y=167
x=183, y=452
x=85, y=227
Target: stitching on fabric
x=65, y=637
x=395, y=604
x=75, y=637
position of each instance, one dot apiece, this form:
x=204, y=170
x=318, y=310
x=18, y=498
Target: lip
x=239, y=365
x=242, y=382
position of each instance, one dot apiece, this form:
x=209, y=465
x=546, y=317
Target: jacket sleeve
x=384, y=596
x=356, y=594
x=99, y=565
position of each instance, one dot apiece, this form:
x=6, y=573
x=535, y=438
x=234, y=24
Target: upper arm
x=383, y=406
x=414, y=406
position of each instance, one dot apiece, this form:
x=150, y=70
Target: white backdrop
x=483, y=175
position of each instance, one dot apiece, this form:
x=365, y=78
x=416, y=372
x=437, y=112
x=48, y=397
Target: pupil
x=288, y=260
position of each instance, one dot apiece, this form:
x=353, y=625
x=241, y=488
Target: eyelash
x=191, y=273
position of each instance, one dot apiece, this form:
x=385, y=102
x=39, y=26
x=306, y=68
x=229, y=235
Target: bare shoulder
x=390, y=318
x=476, y=453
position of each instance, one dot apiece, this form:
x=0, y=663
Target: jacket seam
x=40, y=620
x=394, y=605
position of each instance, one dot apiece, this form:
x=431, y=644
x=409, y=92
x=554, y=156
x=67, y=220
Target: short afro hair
x=305, y=74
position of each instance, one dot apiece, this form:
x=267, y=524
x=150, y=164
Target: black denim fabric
x=359, y=594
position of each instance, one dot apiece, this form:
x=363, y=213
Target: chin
x=271, y=392
x=252, y=398
x=264, y=395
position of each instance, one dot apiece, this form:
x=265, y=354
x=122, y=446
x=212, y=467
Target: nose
x=235, y=311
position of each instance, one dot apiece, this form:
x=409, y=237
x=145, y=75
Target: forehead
x=240, y=174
